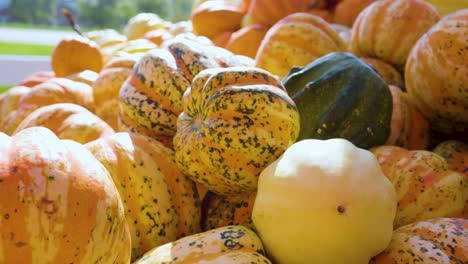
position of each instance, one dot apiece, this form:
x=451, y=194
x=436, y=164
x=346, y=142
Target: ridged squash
x=161, y=203
x=227, y=245
x=235, y=121
x=58, y=203
x=339, y=96
x=455, y=153
x=324, y=201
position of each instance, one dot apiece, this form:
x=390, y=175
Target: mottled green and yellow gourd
x=161, y=204
x=235, y=122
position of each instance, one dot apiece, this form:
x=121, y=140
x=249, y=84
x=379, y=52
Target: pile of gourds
x=256, y=132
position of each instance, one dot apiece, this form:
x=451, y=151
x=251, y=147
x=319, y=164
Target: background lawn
x=25, y=49
x=3, y=88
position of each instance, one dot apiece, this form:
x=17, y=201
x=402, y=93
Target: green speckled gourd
x=151, y=99
x=339, y=96
x=235, y=122
x=219, y=210
x=161, y=204
x=226, y=245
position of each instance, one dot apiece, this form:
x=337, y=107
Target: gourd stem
x=71, y=20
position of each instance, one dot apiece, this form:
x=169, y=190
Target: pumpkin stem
x=71, y=20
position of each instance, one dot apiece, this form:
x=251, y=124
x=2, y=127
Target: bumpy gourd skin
x=235, y=122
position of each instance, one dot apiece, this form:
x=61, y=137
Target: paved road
x=14, y=68
x=33, y=36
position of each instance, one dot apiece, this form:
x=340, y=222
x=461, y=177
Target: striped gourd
x=235, y=122
x=227, y=245
x=161, y=204
x=68, y=121
x=426, y=188
x=434, y=241
x=151, y=99
x=9, y=101
x=56, y=90
x=59, y=204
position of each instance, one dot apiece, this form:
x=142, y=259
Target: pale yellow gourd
x=324, y=201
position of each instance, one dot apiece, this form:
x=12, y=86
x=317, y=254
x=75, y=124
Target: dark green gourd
x=340, y=96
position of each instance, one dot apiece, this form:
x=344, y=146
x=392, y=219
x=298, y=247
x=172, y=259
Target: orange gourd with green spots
x=58, y=203
x=219, y=210
x=9, y=101
x=388, y=73
x=151, y=99
x=234, y=123
x=227, y=245
x=455, y=153
x=426, y=188
x=436, y=74
x=68, y=121
x=434, y=241
x=161, y=204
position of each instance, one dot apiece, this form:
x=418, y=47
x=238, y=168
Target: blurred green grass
x=11, y=48
x=31, y=26
x=3, y=88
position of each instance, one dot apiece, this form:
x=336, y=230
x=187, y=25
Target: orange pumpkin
x=436, y=74
x=138, y=25
x=36, y=78
x=59, y=204
x=388, y=29
x=67, y=121
x=426, y=188
x=440, y=240
x=346, y=11
x=455, y=153
x=9, y=101
x=388, y=73
x=212, y=17
x=267, y=12
x=296, y=40
x=222, y=39
x=56, y=90
x=246, y=40
x=161, y=203
x=76, y=54
x=409, y=128
x=86, y=76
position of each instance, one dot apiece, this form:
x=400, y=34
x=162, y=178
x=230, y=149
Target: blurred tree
x=33, y=11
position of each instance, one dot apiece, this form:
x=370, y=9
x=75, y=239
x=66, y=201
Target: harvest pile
x=256, y=132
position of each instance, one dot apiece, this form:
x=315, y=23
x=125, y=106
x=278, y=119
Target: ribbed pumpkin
x=213, y=17
x=296, y=40
x=346, y=11
x=151, y=99
x=388, y=29
x=161, y=204
x=426, y=188
x=107, y=86
x=441, y=240
x=436, y=74
x=75, y=54
x=88, y=77
x=339, y=96
x=227, y=245
x=9, y=101
x=246, y=40
x=56, y=90
x=59, y=204
x=219, y=210
x=388, y=73
x=409, y=128
x=105, y=37
x=36, y=78
x=141, y=23
x=68, y=121
x=234, y=123
x=455, y=153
